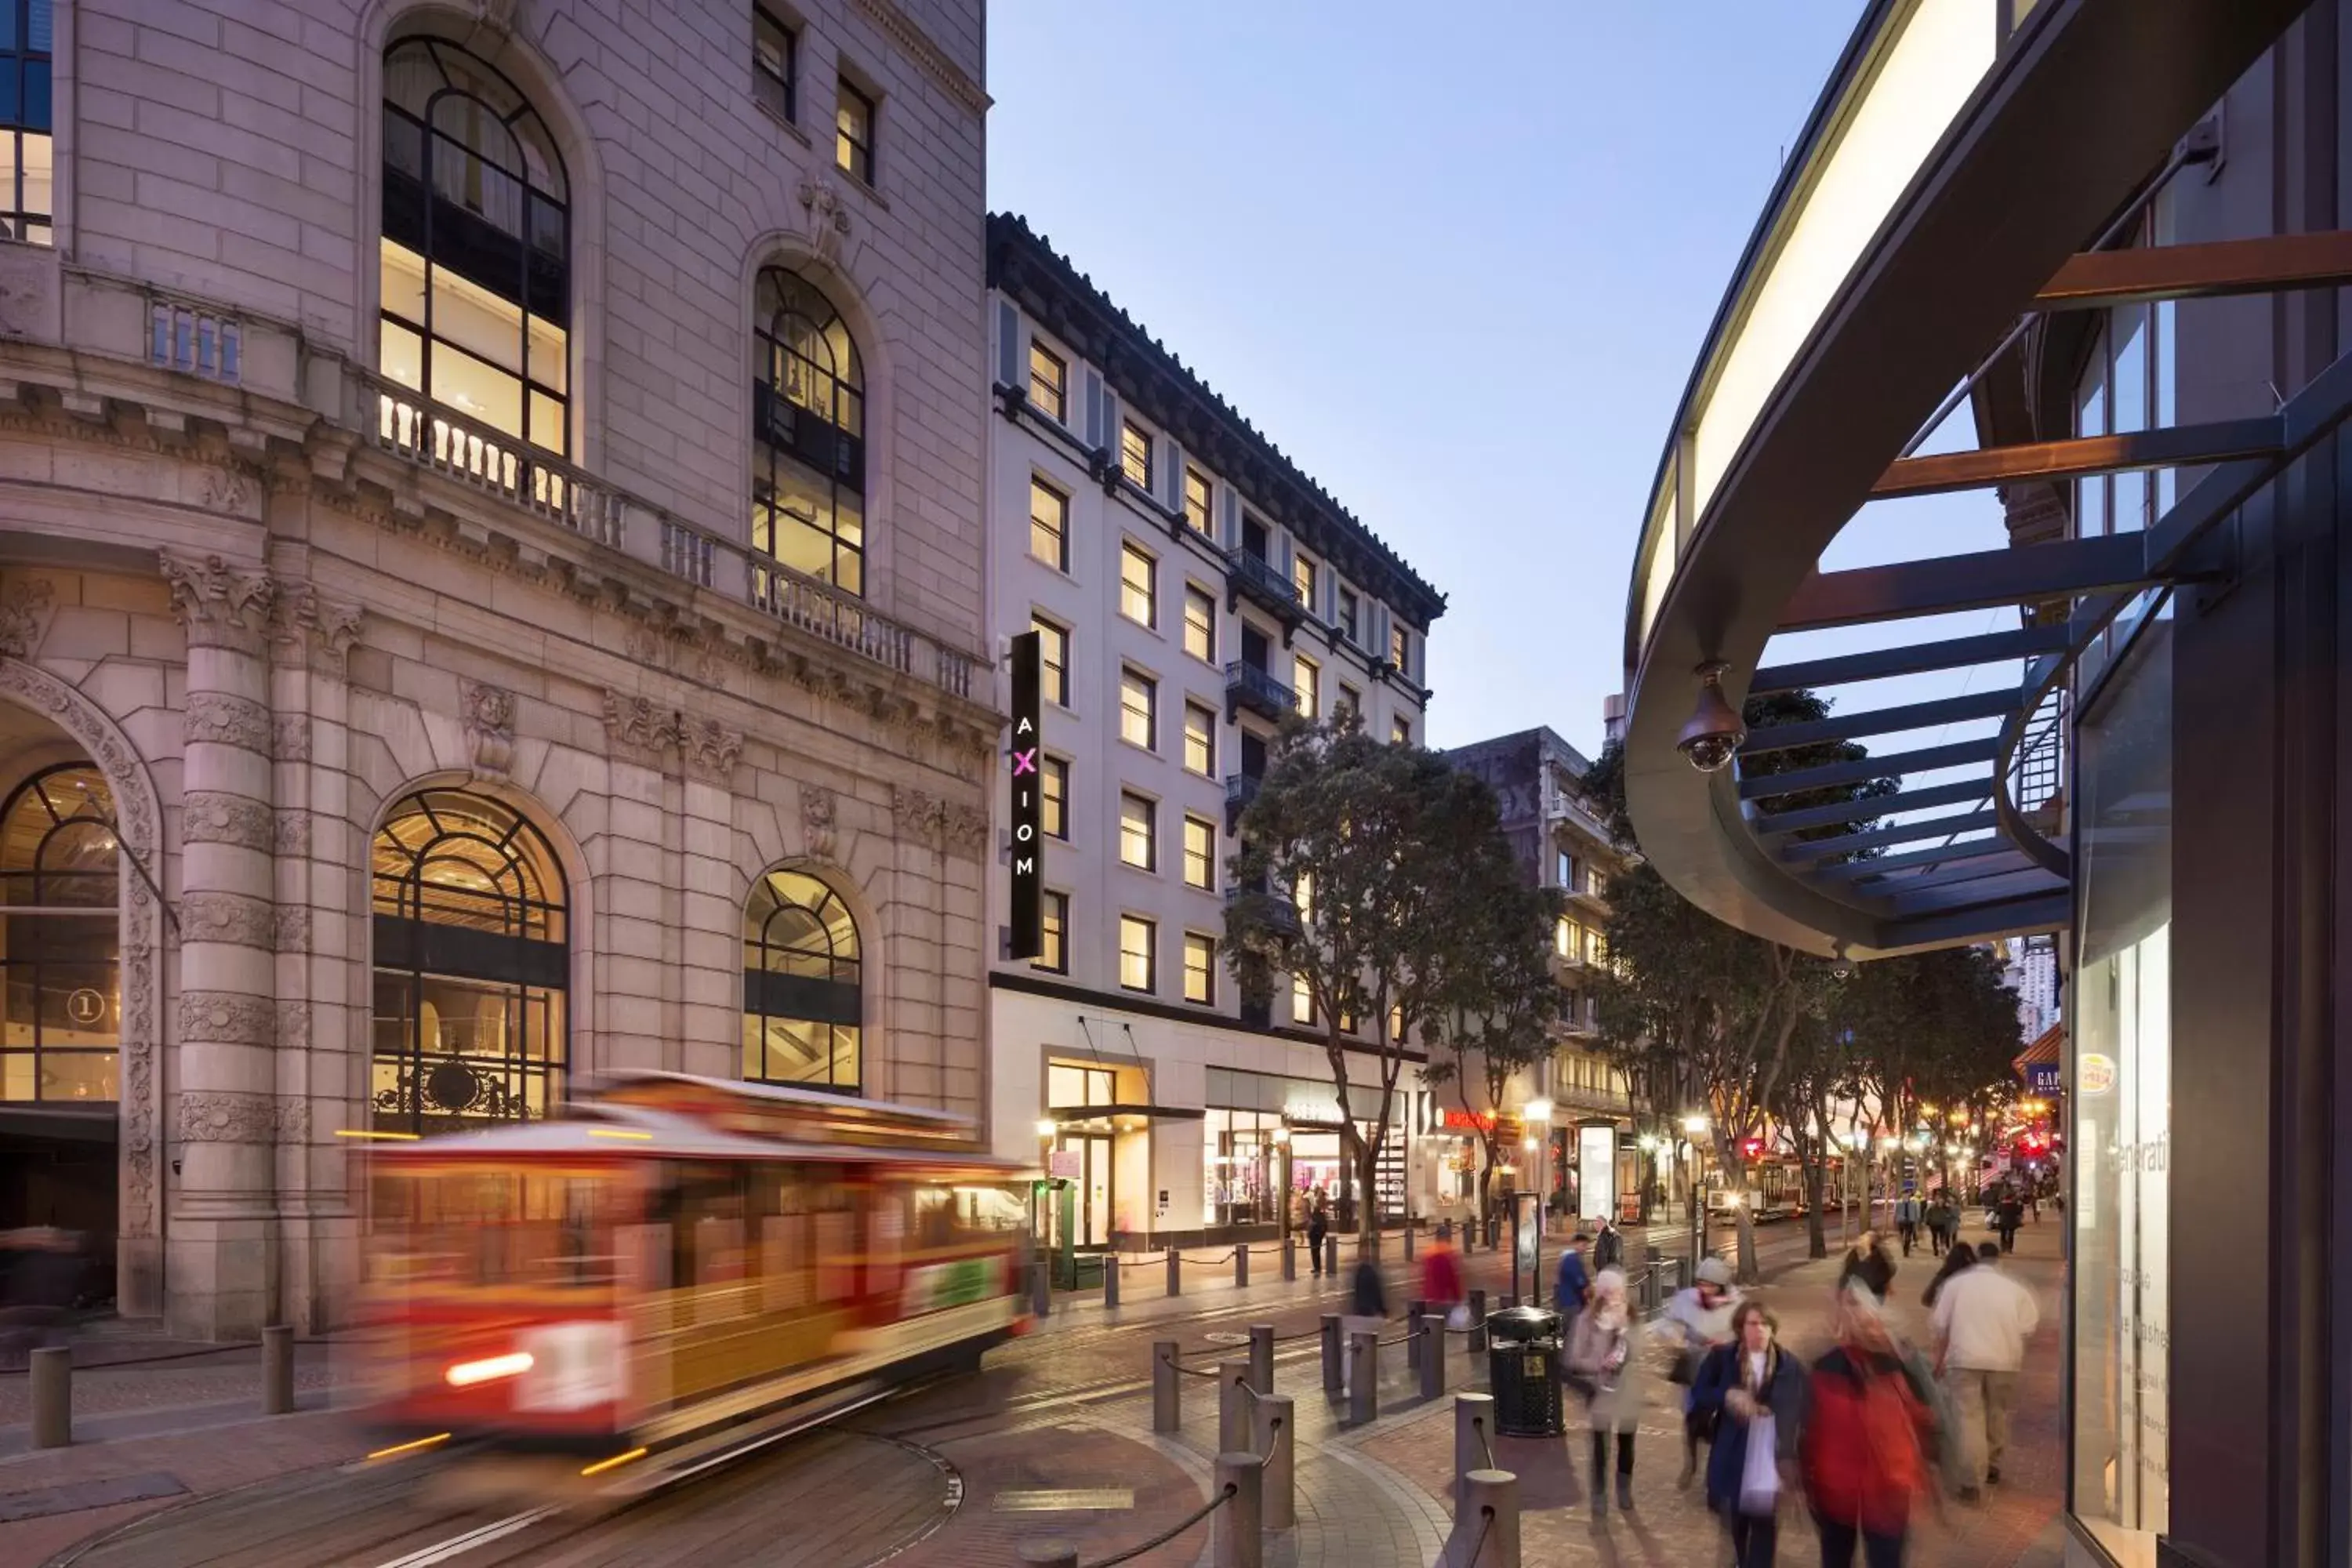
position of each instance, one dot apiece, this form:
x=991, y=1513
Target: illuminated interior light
x=365, y=1132
x=614, y=1463
x=466, y=1374
x=619, y=1132
x=420, y=1443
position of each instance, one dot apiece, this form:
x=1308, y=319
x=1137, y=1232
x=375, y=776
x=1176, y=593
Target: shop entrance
x=1091, y=1217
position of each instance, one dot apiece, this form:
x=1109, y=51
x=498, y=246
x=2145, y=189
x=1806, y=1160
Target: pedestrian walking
x=1367, y=1314
x=1440, y=1272
x=1906, y=1222
x=1318, y=1225
x=1700, y=1318
x=2011, y=1213
x=44, y=1282
x=1603, y=1368
x=1940, y=1218
x=1867, y=1426
x=1959, y=1259
x=1754, y=1396
x=1608, y=1245
x=1573, y=1284
x=1870, y=1263
x=1983, y=1319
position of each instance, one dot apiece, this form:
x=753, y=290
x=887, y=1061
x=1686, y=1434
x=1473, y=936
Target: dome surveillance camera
x=1840, y=967
x=1712, y=737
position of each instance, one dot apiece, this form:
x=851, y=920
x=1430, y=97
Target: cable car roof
x=610, y=1131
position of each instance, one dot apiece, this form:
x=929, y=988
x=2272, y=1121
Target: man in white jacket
x=1983, y=1319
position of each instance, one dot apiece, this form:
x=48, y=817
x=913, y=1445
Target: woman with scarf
x=1603, y=1368
x=1759, y=1392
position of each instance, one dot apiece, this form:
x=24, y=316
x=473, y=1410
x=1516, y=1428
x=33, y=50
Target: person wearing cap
x=1700, y=1318
x=1573, y=1286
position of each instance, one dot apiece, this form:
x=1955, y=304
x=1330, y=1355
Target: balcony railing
x=1252, y=575
x=403, y=423
x=1252, y=687
x=1240, y=790
x=1278, y=913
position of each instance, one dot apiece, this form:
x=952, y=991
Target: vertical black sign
x=1028, y=803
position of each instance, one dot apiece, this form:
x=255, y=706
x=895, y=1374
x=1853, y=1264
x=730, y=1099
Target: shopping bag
x=1458, y=1319
x=1759, y=1477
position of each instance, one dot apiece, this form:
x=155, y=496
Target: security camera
x=1712, y=737
x=1840, y=967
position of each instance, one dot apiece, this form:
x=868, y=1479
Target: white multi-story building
x=1192, y=586
x=491, y=588
x=2032, y=971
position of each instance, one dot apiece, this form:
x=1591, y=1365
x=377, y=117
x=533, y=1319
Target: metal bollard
x=1649, y=1277
x=1363, y=1378
x=1432, y=1359
x=1289, y=1259
x=52, y=1381
x=1473, y=1431
x=1110, y=1279
x=1408, y=1241
x=1273, y=1435
x=1041, y=1292
x=1416, y=1322
x=278, y=1369
x=1233, y=1406
x=1048, y=1555
x=1335, y=1376
x=1261, y=1357
x=1477, y=1322
x=1237, y=1531
x=1490, y=1512
x=1331, y=1256
x=1167, y=1388
x=1241, y=1267
x=1175, y=1272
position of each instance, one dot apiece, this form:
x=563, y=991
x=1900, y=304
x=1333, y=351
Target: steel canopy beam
x=1883, y=722
x=1896, y=832
x=2173, y=447
x=1976, y=868
x=1877, y=806
x=1915, y=659
x=2097, y=280
x=1960, y=754
x=1970, y=895
x=1942, y=855
x=1977, y=581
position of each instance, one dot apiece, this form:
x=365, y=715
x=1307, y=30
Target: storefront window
x=2121, y=1089
x=1242, y=1173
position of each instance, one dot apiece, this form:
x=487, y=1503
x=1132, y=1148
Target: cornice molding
x=904, y=32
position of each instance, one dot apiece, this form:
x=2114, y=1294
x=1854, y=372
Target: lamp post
x=1694, y=1129
x=1536, y=1114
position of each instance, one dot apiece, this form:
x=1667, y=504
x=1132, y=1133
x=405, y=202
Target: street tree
x=1358, y=874
x=1819, y=1071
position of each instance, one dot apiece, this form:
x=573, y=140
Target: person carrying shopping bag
x=1603, y=1367
x=1755, y=1392
x=1867, y=1432
x=1700, y=1318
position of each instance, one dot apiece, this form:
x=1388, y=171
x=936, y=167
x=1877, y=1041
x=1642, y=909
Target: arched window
x=808, y=435
x=60, y=944
x=471, y=966
x=476, y=249
x=801, y=1000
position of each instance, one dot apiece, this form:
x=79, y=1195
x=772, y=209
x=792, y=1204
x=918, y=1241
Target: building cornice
x=904, y=32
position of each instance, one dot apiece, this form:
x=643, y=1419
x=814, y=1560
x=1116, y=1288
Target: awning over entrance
x=1118, y=1118
x=79, y=1123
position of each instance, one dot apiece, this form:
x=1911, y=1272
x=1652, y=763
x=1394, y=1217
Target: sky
x=1458, y=274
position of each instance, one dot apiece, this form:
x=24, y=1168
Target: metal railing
x=2038, y=770
x=1259, y=579
x=403, y=423
x=1252, y=684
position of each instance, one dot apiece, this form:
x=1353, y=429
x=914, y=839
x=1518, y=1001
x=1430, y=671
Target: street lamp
x=1048, y=1127
x=1695, y=1125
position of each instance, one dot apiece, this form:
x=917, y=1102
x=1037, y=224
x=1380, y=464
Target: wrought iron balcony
x=1278, y=913
x=1240, y=790
x=1252, y=576
x=1252, y=687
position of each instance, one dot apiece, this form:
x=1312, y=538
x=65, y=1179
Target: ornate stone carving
x=290, y=836
x=211, y=816
x=293, y=1120
x=309, y=623
x=139, y=1130
x=712, y=748
x=962, y=829
x=227, y=1018
x=227, y=490
x=489, y=715
x=30, y=304
x=232, y=918
x=818, y=809
x=966, y=829
x=289, y=737
x=641, y=722
x=221, y=605
x=221, y=719
x=220, y=1117
x=824, y=220
x=292, y=931
x=24, y=615
x=498, y=15
x=293, y=1026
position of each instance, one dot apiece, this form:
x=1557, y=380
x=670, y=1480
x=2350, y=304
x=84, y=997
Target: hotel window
x=1053, y=797
x=853, y=121
x=1302, y=577
x=1400, y=731
x=808, y=447
x=1053, y=953
x=1137, y=938
x=1138, y=586
x=1052, y=659
x=775, y=65
x=60, y=971
x=1200, y=854
x=1595, y=883
x=1200, y=625
x=1200, y=968
x=474, y=257
x=801, y=1001
x=1400, y=648
x=1049, y=384
x=25, y=34
x=1135, y=454
x=1306, y=683
x=1302, y=1001
x=1565, y=869
x=1139, y=837
x=1302, y=897
x=1200, y=739
x=1350, y=707
x=1197, y=514
x=1563, y=939
x=1049, y=525
x=1139, y=710
x=1350, y=612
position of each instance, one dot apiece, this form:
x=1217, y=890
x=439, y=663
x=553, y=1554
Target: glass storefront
x=1243, y=1174
x=2120, y=1090
x=1253, y=1116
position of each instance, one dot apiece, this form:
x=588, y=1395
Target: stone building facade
x=491, y=590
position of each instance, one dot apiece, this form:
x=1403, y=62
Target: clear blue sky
x=1458, y=274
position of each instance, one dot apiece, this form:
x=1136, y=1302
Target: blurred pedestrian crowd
x=45, y=1273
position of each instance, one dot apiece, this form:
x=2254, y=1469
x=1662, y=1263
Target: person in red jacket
x=1862, y=1454
x=1441, y=1274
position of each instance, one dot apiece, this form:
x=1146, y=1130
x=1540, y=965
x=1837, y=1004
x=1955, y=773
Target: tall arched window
x=802, y=996
x=477, y=249
x=471, y=966
x=808, y=435
x=60, y=944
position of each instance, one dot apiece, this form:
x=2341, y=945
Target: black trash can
x=1523, y=1356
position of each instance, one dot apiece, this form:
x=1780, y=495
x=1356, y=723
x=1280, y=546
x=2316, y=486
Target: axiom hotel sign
x=1028, y=803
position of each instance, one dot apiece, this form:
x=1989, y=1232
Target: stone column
x=221, y=1246
x=711, y=936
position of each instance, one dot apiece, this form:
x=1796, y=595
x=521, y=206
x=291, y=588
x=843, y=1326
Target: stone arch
x=471, y=27
x=824, y=267
x=139, y=826
x=866, y=918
